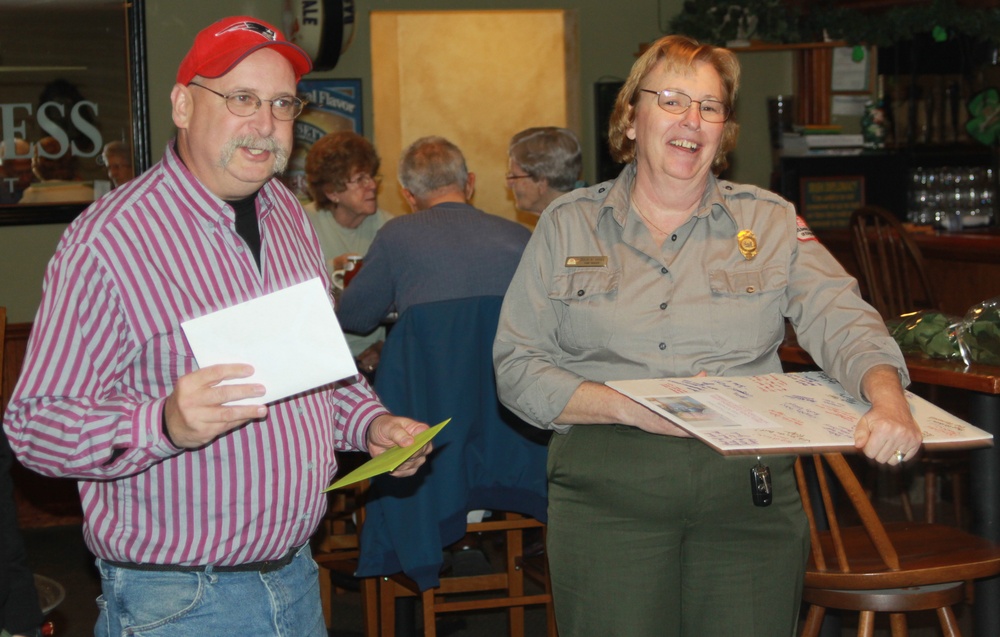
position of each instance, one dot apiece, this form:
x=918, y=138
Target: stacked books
x=821, y=140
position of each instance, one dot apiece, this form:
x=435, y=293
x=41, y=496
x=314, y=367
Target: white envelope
x=291, y=337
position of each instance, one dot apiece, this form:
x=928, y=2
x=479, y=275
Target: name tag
x=586, y=262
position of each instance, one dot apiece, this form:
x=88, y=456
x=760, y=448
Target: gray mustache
x=268, y=144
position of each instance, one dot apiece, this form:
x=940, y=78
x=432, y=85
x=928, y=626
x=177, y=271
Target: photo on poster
x=691, y=411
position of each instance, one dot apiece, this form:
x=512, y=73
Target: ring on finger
x=900, y=455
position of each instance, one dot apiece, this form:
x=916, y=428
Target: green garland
x=718, y=21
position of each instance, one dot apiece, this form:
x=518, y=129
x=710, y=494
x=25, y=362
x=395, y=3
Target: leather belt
x=264, y=566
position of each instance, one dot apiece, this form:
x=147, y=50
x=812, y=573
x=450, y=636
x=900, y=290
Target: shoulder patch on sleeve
x=802, y=231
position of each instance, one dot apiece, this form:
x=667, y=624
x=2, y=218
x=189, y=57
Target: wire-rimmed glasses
x=712, y=111
x=245, y=104
x=364, y=180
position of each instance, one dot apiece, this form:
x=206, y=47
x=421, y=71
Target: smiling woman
x=73, y=72
x=670, y=272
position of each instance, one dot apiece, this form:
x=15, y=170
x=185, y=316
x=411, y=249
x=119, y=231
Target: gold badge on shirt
x=747, y=243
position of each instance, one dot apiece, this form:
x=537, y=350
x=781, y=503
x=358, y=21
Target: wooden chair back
x=836, y=560
x=507, y=587
x=336, y=547
x=437, y=363
x=893, y=271
x=860, y=562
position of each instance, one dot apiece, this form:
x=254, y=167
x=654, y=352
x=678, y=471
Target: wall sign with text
x=72, y=81
x=827, y=202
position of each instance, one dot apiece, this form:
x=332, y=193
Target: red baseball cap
x=221, y=46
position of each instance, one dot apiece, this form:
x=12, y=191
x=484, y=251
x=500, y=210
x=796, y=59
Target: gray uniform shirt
x=594, y=298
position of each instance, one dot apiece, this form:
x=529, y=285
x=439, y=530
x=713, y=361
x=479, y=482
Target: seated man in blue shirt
x=447, y=249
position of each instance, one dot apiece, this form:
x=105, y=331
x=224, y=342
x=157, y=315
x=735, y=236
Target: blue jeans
x=282, y=603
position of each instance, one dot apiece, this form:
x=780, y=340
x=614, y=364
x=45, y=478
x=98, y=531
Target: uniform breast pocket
x=746, y=307
x=588, y=301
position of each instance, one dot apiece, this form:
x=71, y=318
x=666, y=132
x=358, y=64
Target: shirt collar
x=199, y=200
x=618, y=202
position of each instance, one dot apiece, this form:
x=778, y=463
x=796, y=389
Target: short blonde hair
x=678, y=53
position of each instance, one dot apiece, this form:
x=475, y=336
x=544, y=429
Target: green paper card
x=389, y=460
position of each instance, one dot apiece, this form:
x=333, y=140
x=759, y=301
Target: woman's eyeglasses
x=364, y=180
x=712, y=111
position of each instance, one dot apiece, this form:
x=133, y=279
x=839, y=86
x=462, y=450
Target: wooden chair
x=336, y=550
x=437, y=364
x=873, y=567
x=506, y=588
x=894, y=280
x=893, y=272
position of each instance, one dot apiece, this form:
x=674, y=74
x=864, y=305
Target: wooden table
x=982, y=384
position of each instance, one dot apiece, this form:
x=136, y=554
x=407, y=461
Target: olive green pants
x=656, y=536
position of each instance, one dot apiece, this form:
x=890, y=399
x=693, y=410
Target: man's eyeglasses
x=712, y=111
x=245, y=104
x=512, y=176
x=364, y=180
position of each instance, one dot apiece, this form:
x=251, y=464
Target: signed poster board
x=806, y=412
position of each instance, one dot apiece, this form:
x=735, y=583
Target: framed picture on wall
x=73, y=111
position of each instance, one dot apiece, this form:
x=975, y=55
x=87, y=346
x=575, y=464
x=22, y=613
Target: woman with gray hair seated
x=543, y=163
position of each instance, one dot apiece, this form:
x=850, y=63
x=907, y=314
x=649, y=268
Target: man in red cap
x=198, y=510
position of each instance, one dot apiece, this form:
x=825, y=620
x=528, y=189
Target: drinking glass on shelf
x=952, y=197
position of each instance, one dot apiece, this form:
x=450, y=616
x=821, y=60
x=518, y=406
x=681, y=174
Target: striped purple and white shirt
x=106, y=349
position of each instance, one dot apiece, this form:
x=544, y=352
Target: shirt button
x=580, y=292
x=601, y=189
x=663, y=346
x=663, y=270
x=729, y=187
x=663, y=306
x=751, y=289
x=310, y=466
x=673, y=237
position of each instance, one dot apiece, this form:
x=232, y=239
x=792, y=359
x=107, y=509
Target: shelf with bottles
x=930, y=110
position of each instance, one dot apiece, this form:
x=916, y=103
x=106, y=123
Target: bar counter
x=964, y=267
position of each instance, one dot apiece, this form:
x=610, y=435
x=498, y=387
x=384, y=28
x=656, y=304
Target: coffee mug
x=338, y=279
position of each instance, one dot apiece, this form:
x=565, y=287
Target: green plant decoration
x=943, y=19
x=928, y=333
x=719, y=21
x=984, y=123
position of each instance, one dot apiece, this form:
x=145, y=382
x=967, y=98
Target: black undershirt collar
x=246, y=223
